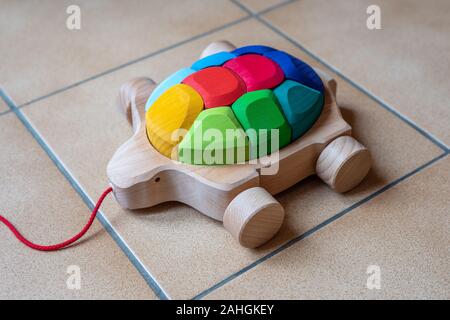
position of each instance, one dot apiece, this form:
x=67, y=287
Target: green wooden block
x=216, y=137
x=260, y=110
x=301, y=105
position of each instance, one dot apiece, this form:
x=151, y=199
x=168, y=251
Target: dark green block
x=260, y=110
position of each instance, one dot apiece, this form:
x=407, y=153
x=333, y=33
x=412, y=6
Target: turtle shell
x=231, y=107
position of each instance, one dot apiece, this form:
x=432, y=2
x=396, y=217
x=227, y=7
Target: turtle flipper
x=132, y=98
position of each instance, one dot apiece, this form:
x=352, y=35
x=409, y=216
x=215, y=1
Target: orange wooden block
x=258, y=72
x=217, y=86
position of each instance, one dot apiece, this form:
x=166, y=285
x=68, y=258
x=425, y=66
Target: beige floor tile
x=184, y=250
x=43, y=205
x=408, y=240
x=40, y=54
x=405, y=63
x=3, y=107
x=259, y=5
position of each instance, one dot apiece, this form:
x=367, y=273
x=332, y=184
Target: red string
x=62, y=244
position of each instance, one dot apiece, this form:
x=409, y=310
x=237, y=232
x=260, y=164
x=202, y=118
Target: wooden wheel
x=343, y=163
x=253, y=217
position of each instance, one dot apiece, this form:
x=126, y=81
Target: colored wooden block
x=217, y=86
x=259, y=110
x=258, y=72
x=216, y=137
x=301, y=105
x=176, y=108
x=213, y=60
x=295, y=69
x=172, y=80
x=255, y=49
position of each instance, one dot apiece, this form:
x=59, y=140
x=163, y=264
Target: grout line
x=359, y=87
x=318, y=227
x=131, y=62
x=137, y=263
x=157, y=52
x=5, y=112
x=372, y=96
x=268, y=9
x=243, y=7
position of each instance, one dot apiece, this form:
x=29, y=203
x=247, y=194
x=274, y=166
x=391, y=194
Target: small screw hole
x=157, y=179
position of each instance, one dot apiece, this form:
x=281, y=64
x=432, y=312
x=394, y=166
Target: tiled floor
x=44, y=56
x=3, y=107
x=260, y=5
x=405, y=64
x=36, y=197
x=408, y=241
x=397, y=219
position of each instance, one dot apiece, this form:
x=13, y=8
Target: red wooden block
x=217, y=86
x=258, y=72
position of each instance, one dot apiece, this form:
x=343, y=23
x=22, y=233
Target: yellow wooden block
x=176, y=108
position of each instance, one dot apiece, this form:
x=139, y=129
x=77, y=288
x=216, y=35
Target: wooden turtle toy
x=181, y=149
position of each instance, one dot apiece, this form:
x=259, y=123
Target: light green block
x=216, y=137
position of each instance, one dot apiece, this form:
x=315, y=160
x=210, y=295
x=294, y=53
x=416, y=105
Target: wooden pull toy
x=183, y=123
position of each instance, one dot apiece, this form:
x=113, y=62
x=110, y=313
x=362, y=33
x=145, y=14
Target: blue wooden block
x=213, y=60
x=256, y=49
x=301, y=106
x=297, y=70
x=172, y=80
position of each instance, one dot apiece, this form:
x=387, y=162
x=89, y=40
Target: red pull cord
x=62, y=244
